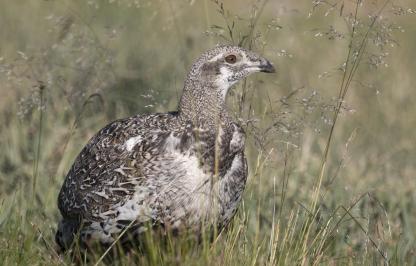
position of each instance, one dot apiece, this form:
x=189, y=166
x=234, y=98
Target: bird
x=181, y=170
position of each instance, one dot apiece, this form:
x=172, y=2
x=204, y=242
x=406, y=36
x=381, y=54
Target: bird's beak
x=266, y=66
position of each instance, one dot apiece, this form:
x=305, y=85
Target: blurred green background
x=67, y=68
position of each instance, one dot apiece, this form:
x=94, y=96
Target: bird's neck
x=203, y=104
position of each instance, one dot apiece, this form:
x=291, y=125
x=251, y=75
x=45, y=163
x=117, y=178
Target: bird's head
x=214, y=72
x=224, y=66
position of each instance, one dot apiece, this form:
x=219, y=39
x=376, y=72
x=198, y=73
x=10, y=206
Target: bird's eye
x=231, y=59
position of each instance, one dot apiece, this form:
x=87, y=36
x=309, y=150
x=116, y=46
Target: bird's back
x=97, y=172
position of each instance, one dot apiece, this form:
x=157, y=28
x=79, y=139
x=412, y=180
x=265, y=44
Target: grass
x=330, y=138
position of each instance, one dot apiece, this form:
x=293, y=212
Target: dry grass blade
x=41, y=87
x=114, y=243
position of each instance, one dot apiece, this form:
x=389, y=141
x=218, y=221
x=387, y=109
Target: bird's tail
x=67, y=229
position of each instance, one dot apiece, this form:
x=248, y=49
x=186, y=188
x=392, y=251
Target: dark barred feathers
x=180, y=169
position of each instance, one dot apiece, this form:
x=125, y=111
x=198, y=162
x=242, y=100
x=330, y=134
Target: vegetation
x=330, y=137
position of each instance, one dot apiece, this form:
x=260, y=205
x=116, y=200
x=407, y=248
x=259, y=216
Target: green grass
x=330, y=146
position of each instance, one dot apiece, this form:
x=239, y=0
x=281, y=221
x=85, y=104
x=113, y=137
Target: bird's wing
x=113, y=163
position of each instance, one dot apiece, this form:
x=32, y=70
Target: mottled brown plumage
x=180, y=169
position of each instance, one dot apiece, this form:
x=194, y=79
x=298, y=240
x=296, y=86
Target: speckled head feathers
x=211, y=76
x=216, y=58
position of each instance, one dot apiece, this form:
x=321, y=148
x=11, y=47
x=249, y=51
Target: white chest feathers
x=176, y=188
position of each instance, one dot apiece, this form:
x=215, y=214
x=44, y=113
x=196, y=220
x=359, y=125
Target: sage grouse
x=180, y=169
